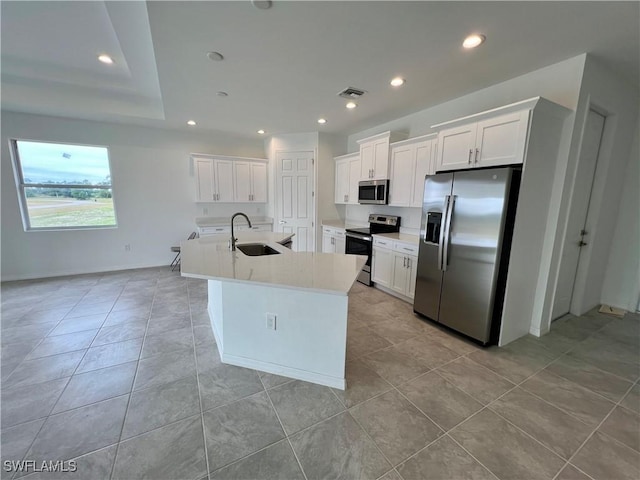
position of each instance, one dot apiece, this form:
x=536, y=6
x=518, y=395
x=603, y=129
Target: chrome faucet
x=233, y=237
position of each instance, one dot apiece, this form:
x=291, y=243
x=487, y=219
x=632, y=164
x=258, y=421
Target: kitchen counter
x=226, y=221
x=401, y=237
x=284, y=314
x=210, y=258
x=342, y=225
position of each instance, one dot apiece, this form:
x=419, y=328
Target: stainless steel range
x=360, y=242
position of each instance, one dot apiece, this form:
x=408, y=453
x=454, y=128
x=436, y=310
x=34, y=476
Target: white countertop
x=341, y=224
x=226, y=221
x=211, y=259
x=401, y=237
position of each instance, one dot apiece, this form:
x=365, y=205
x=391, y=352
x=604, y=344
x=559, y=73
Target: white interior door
x=294, y=198
x=577, y=235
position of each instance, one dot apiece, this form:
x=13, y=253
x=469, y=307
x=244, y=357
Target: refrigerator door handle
x=451, y=201
x=443, y=225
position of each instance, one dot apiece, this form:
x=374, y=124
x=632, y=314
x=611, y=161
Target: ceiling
x=284, y=66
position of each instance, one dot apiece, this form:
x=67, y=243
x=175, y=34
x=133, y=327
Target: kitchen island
x=284, y=313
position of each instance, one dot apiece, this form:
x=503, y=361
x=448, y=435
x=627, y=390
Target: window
x=63, y=186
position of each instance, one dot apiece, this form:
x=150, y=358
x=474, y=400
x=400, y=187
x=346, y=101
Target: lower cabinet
x=333, y=240
x=394, y=266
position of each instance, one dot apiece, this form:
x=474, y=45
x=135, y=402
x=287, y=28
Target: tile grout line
x=593, y=432
x=46, y=418
x=304, y=474
x=133, y=384
x=195, y=356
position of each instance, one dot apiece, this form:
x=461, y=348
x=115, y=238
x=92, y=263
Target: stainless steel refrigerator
x=467, y=225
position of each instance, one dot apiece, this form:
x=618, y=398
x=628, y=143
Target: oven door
x=358, y=244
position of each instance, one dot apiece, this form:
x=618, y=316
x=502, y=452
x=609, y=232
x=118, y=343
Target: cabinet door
x=501, y=140
x=413, y=271
x=342, y=181
x=242, y=180
x=366, y=159
x=381, y=159
x=354, y=180
x=259, y=182
x=382, y=266
x=204, y=180
x=423, y=154
x=339, y=244
x=224, y=180
x=327, y=243
x=456, y=147
x=402, y=170
x=399, y=278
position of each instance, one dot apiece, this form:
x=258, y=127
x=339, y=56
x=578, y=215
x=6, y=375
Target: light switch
x=271, y=321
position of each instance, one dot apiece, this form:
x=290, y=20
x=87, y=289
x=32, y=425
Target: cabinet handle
x=333, y=241
x=404, y=263
x=477, y=153
x=408, y=262
x=470, y=153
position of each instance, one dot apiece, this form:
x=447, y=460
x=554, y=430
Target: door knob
x=282, y=222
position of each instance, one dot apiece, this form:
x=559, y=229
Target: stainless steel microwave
x=373, y=192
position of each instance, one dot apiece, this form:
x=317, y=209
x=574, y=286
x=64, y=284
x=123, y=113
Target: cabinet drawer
x=338, y=233
x=327, y=230
x=214, y=230
x=382, y=242
x=405, y=248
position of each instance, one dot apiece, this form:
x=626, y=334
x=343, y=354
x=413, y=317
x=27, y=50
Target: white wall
x=622, y=280
x=154, y=193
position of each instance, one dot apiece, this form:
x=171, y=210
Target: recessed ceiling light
x=396, y=82
x=191, y=123
x=222, y=94
x=322, y=121
x=215, y=56
x=261, y=132
x=351, y=105
x=104, y=58
x=472, y=41
x=262, y=4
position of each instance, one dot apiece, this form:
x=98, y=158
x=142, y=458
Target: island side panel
x=215, y=311
x=310, y=336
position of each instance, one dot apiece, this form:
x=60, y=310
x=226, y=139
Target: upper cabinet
x=347, y=178
x=250, y=182
x=484, y=140
x=230, y=179
x=374, y=155
x=411, y=160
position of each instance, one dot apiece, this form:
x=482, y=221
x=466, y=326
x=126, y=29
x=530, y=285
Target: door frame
x=313, y=186
x=580, y=304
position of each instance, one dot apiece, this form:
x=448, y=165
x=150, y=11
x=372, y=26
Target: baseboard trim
x=67, y=273
x=339, y=383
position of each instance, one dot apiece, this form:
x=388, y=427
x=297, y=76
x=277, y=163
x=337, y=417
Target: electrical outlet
x=127, y=248
x=271, y=321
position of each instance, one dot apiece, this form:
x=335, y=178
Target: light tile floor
x=120, y=372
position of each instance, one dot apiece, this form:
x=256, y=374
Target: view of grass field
x=51, y=212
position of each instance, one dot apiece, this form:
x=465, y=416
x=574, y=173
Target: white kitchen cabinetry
x=230, y=179
x=347, y=178
x=225, y=230
x=333, y=240
x=411, y=160
x=374, y=155
x=250, y=182
x=483, y=140
x=394, y=266
x=214, y=179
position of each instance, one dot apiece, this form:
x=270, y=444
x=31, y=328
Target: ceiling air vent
x=351, y=93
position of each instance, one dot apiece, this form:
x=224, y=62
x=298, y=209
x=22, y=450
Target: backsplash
x=411, y=217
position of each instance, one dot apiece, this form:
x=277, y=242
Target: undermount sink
x=257, y=249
